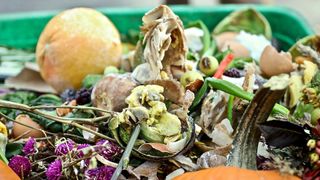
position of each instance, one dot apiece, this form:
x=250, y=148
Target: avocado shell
x=313, y=41
x=248, y=20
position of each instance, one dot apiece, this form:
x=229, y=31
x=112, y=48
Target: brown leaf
x=164, y=40
x=147, y=169
x=29, y=79
x=157, y=146
x=173, y=90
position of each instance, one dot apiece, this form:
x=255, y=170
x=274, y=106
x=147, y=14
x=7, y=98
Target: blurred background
x=307, y=8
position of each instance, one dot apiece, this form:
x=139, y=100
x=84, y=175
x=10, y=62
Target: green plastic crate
x=21, y=30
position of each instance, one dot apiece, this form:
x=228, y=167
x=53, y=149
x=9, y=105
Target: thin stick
x=68, y=121
x=74, y=107
x=23, y=124
x=123, y=163
x=22, y=107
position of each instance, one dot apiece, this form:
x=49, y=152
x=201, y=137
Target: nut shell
x=19, y=129
x=274, y=63
x=110, y=92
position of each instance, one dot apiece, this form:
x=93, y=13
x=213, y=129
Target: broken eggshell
x=237, y=48
x=274, y=63
x=224, y=37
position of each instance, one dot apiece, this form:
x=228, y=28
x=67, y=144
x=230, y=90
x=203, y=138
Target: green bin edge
x=21, y=30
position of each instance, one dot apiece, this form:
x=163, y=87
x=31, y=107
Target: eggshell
x=238, y=49
x=19, y=129
x=274, y=63
x=223, y=37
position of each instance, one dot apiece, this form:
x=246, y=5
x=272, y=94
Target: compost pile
x=160, y=103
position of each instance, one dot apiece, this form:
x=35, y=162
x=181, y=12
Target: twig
x=74, y=107
x=37, y=175
x=123, y=163
x=23, y=124
x=68, y=121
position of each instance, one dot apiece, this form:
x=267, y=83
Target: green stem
x=231, y=89
x=68, y=121
x=123, y=163
x=230, y=108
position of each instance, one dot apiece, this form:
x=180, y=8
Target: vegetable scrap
x=175, y=101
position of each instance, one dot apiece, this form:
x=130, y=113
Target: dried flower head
x=81, y=153
x=64, y=147
x=100, y=173
x=20, y=165
x=54, y=171
x=107, y=149
x=29, y=147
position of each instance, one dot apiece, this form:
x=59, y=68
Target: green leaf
x=22, y=97
x=248, y=20
x=302, y=109
x=91, y=79
x=239, y=63
x=50, y=125
x=46, y=99
x=206, y=38
x=231, y=89
x=13, y=149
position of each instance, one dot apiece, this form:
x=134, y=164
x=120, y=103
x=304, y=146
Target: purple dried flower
x=107, y=149
x=82, y=146
x=54, y=171
x=20, y=165
x=29, y=147
x=64, y=147
x=80, y=154
x=100, y=173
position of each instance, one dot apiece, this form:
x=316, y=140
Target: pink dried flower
x=29, y=147
x=64, y=147
x=82, y=146
x=54, y=171
x=108, y=149
x=100, y=173
x=81, y=154
x=20, y=165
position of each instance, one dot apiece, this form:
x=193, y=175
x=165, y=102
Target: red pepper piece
x=223, y=65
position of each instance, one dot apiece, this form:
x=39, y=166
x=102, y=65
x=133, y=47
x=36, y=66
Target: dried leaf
x=147, y=169
x=282, y=133
x=211, y=159
x=172, y=89
x=186, y=163
x=164, y=40
x=213, y=111
x=157, y=146
x=29, y=79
